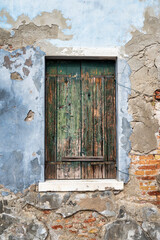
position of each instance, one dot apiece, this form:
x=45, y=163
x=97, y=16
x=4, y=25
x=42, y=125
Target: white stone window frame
x=122, y=118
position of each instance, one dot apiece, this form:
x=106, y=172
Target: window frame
x=122, y=159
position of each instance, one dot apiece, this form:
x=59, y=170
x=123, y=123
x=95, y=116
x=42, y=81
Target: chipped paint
x=74, y=28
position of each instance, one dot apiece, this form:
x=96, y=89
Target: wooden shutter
x=80, y=119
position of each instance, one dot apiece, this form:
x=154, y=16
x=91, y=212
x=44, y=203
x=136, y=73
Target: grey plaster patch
x=91, y=201
x=150, y=214
x=7, y=62
x=50, y=201
x=152, y=229
x=26, y=71
x=143, y=54
x=126, y=135
x=124, y=229
x=35, y=166
x=37, y=81
x=27, y=229
x=28, y=62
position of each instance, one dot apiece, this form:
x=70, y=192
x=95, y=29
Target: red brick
x=147, y=178
x=152, y=172
x=155, y=161
x=46, y=212
x=150, y=167
x=57, y=227
x=73, y=231
x=144, y=188
x=146, y=157
x=152, y=187
x=68, y=226
x=139, y=173
x=90, y=220
x=154, y=193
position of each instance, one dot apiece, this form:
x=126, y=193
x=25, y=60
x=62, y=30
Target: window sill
x=80, y=185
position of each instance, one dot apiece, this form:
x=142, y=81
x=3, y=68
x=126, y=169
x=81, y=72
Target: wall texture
x=31, y=30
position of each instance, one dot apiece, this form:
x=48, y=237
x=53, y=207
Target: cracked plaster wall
x=143, y=51
x=55, y=31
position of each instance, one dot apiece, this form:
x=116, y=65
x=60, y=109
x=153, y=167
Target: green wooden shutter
x=80, y=119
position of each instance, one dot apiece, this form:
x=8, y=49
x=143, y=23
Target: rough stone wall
x=105, y=215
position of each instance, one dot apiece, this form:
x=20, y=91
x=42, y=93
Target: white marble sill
x=80, y=185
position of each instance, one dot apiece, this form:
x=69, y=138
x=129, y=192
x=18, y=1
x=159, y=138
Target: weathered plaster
x=25, y=31
x=20, y=97
x=50, y=26
x=143, y=50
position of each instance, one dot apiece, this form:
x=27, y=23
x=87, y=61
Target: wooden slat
x=87, y=116
x=110, y=126
x=68, y=115
x=83, y=158
x=51, y=126
x=98, y=119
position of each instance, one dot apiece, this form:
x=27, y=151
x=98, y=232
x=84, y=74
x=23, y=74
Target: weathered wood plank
x=110, y=126
x=87, y=116
x=50, y=135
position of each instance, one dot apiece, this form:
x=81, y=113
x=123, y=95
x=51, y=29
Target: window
x=80, y=136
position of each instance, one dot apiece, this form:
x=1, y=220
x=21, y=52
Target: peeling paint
x=16, y=76
x=30, y=116
x=27, y=32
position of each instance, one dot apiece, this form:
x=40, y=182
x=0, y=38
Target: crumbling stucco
x=143, y=52
x=30, y=116
x=24, y=31
x=21, y=129
x=16, y=76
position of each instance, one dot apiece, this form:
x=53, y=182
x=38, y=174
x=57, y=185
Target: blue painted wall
x=22, y=142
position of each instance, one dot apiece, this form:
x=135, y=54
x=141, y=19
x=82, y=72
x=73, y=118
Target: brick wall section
x=146, y=168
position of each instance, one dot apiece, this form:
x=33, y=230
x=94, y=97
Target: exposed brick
x=153, y=161
x=90, y=220
x=83, y=235
x=152, y=188
x=157, y=157
x=68, y=226
x=144, y=188
x=73, y=230
x=93, y=230
x=150, y=167
x=153, y=172
x=147, y=178
x=46, y=211
x=58, y=220
x=146, y=157
x=141, y=162
x=154, y=193
x=139, y=172
x=57, y=227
